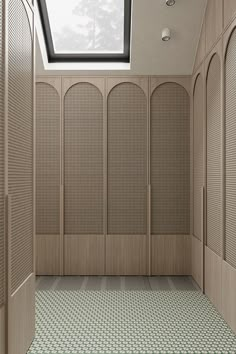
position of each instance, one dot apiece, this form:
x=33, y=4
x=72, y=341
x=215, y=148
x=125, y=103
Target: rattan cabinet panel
x=127, y=156
x=170, y=160
x=198, y=172
x=20, y=142
x=2, y=253
x=230, y=152
x=214, y=157
x=47, y=160
x=83, y=164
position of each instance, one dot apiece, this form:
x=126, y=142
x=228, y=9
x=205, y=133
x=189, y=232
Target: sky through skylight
x=87, y=26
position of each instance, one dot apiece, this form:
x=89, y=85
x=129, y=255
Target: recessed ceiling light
x=170, y=2
x=165, y=36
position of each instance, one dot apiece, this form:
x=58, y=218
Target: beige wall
x=215, y=276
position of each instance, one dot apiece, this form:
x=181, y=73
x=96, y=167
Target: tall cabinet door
x=2, y=243
x=170, y=179
x=213, y=240
x=198, y=170
x=48, y=238
x=230, y=153
x=198, y=177
x=83, y=180
x=19, y=182
x=127, y=180
x=214, y=157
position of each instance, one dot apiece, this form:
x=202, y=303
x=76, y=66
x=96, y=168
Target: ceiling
x=149, y=54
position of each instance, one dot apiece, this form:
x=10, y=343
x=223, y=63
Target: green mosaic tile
x=73, y=322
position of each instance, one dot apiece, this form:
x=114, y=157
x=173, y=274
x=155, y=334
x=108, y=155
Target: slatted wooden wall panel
x=2, y=253
x=83, y=122
x=47, y=160
x=170, y=160
x=127, y=154
x=230, y=151
x=214, y=157
x=198, y=111
x=20, y=144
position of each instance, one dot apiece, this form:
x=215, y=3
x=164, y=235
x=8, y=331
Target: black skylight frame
x=93, y=57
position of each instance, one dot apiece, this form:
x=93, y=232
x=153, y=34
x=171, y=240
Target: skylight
x=86, y=30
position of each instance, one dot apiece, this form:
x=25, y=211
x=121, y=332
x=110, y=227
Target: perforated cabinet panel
x=197, y=155
x=83, y=124
x=20, y=143
x=170, y=159
x=47, y=160
x=2, y=255
x=230, y=152
x=214, y=157
x=127, y=152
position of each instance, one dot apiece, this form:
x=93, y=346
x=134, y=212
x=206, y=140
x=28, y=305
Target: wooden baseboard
x=21, y=317
x=197, y=261
x=126, y=255
x=229, y=294
x=48, y=255
x=2, y=330
x=84, y=255
x=213, y=284
x=171, y=254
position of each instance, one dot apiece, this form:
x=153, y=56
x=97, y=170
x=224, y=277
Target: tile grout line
x=171, y=284
x=122, y=283
x=104, y=283
x=149, y=283
x=55, y=283
x=37, y=282
x=84, y=284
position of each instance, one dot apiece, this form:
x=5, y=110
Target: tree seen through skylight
x=87, y=26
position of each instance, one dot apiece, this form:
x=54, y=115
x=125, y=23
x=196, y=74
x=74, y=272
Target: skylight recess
x=86, y=30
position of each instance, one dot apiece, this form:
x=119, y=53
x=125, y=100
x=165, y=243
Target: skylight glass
x=87, y=26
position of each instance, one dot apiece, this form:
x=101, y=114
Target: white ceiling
x=149, y=54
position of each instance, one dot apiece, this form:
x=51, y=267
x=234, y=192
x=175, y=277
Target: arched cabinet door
x=126, y=179
x=2, y=148
x=48, y=184
x=170, y=177
x=198, y=171
x=19, y=183
x=230, y=151
x=170, y=160
x=214, y=157
x=83, y=180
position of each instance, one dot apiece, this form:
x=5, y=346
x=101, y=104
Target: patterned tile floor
x=84, y=320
